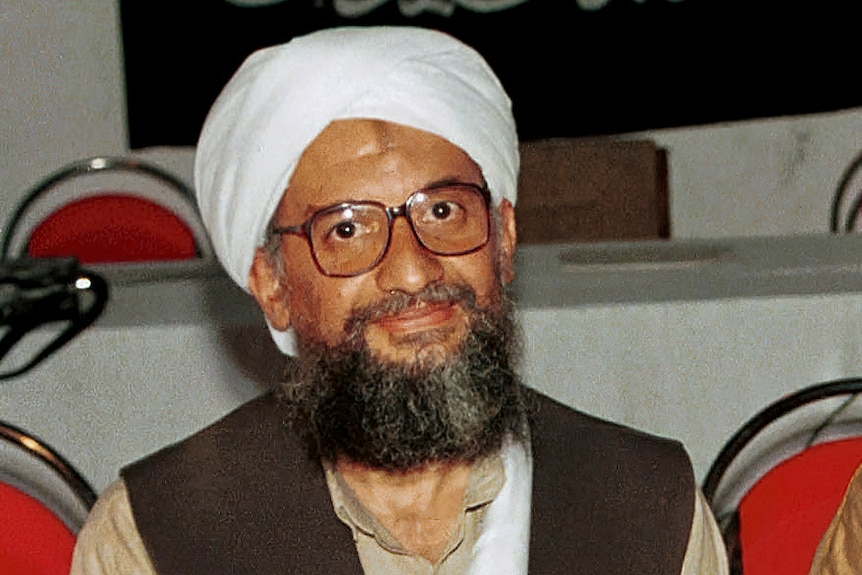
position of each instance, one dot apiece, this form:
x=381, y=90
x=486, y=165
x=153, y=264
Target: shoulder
x=706, y=552
x=839, y=549
x=255, y=427
x=558, y=427
x=247, y=474
x=208, y=472
x=606, y=458
x=109, y=542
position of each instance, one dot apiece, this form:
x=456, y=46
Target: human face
x=379, y=161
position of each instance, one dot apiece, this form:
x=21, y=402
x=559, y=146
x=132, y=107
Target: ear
x=508, y=239
x=267, y=288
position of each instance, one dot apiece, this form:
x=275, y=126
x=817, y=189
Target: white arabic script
x=354, y=8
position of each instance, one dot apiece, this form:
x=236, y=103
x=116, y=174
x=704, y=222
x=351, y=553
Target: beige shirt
x=109, y=544
x=840, y=549
x=380, y=552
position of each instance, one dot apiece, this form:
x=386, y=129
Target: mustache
x=398, y=301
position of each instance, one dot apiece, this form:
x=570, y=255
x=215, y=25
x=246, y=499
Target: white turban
x=282, y=97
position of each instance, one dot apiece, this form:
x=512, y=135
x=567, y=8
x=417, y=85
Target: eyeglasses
x=351, y=238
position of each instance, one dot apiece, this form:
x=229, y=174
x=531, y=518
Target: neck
x=421, y=508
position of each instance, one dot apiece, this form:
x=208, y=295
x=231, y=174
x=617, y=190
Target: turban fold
x=282, y=97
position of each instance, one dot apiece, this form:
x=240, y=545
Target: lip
x=427, y=316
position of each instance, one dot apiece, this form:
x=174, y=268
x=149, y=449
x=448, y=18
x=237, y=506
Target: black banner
x=626, y=66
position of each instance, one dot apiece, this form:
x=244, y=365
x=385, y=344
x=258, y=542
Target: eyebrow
x=432, y=185
x=450, y=181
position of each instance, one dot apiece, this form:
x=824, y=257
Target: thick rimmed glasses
x=348, y=239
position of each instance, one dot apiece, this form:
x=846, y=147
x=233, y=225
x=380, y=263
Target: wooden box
x=592, y=190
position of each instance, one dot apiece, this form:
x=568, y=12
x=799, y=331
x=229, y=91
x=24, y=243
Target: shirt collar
x=487, y=477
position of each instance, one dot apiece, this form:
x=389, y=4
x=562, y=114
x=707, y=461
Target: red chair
x=108, y=226
x=32, y=539
x=113, y=228
x=776, y=524
x=36, y=536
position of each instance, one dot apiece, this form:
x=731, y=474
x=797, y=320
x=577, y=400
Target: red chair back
x=113, y=228
x=784, y=515
x=33, y=541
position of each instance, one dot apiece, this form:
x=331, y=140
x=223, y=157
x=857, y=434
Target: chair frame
x=836, y=226
x=89, y=166
x=765, y=417
x=45, y=453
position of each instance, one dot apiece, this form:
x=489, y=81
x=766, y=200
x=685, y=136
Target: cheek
x=320, y=305
x=480, y=272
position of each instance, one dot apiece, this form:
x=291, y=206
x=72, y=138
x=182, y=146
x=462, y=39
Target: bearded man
x=360, y=184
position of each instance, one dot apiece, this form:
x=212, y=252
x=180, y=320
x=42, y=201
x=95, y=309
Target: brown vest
x=241, y=497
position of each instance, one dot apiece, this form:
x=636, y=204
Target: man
x=840, y=548
x=360, y=184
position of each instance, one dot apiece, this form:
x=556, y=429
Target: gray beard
x=345, y=402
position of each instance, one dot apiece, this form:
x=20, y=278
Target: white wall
x=61, y=88
x=769, y=177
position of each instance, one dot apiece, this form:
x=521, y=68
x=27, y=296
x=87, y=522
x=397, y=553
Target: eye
x=345, y=230
x=357, y=230
x=442, y=210
x=446, y=210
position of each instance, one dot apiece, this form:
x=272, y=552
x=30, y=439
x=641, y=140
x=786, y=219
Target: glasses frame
x=392, y=213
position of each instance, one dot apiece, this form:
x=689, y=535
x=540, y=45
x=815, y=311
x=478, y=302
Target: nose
x=407, y=266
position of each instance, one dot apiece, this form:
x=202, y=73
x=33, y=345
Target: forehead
x=360, y=159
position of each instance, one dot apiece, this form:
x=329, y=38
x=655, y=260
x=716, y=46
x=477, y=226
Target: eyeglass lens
x=351, y=238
